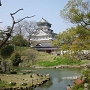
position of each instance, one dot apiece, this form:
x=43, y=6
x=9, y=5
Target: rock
x=78, y=81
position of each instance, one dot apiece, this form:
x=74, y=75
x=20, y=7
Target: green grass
x=78, y=87
x=46, y=59
x=3, y=84
x=59, y=61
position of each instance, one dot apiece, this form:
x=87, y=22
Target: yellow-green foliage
x=29, y=55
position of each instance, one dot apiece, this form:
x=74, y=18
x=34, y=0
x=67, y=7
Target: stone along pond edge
x=29, y=87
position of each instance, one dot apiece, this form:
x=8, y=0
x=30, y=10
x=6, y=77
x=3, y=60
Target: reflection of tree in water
x=47, y=84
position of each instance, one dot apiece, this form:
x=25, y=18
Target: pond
x=56, y=82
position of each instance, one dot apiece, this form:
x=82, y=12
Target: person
x=68, y=87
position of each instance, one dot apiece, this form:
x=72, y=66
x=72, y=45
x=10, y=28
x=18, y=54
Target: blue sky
x=47, y=9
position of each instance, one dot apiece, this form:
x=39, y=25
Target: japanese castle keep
x=43, y=36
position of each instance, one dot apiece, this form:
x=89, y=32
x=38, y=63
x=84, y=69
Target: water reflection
x=57, y=83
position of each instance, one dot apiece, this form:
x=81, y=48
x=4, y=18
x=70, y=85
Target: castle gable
x=43, y=20
x=41, y=33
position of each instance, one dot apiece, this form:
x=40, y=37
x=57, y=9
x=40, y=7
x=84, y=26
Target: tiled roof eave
x=45, y=48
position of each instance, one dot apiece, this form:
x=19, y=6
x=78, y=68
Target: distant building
x=43, y=37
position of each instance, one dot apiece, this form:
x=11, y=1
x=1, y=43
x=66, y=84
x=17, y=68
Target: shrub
x=78, y=87
x=16, y=59
x=30, y=55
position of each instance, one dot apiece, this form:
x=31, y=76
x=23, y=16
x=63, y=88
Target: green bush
x=16, y=59
x=30, y=55
x=78, y=87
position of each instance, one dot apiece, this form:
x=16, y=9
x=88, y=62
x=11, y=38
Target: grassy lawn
x=42, y=56
x=55, y=61
x=47, y=60
x=20, y=80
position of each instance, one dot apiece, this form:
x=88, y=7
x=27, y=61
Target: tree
x=65, y=39
x=29, y=27
x=8, y=35
x=19, y=30
x=18, y=40
x=82, y=42
x=4, y=34
x=77, y=12
x=2, y=37
x=7, y=51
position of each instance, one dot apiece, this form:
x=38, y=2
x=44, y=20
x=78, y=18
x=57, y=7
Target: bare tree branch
x=24, y=18
x=17, y=11
x=13, y=23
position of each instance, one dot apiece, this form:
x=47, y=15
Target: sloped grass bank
x=60, y=61
x=47, y=60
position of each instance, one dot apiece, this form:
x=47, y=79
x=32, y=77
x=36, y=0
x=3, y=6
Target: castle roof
x=43, y=21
